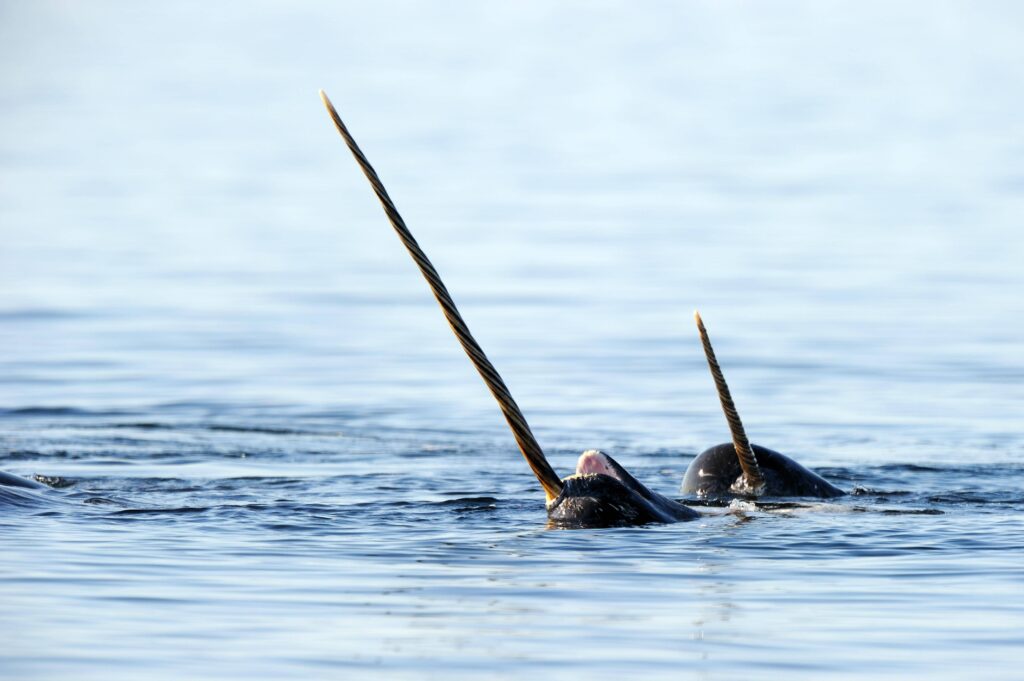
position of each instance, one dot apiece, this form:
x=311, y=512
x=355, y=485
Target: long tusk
x=748, y=462
x=516, y=421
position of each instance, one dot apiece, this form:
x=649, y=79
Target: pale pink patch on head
x=593, y=462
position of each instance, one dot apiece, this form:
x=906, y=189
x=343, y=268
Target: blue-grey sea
x=270, y=459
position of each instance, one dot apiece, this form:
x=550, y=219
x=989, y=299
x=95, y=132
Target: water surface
x=270, y=457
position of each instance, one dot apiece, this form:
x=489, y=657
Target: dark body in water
x=18, y=491
x=716, y=473
x=11, y=480
x=601, y=493
x=604, y=494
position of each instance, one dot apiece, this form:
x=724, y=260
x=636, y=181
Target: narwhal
x=11, y=480
x=601, y=493
x=741, y=469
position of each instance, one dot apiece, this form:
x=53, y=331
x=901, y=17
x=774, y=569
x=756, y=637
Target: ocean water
x=269, y=457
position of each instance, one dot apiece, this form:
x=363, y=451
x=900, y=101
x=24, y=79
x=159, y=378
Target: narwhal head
x=601, y=493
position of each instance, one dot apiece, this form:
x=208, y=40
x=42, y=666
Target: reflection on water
x=269, y=456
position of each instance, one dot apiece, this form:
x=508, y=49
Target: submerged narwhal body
x=601, y=493
x=12, y=480
x=740, y=468
x=716, y=473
